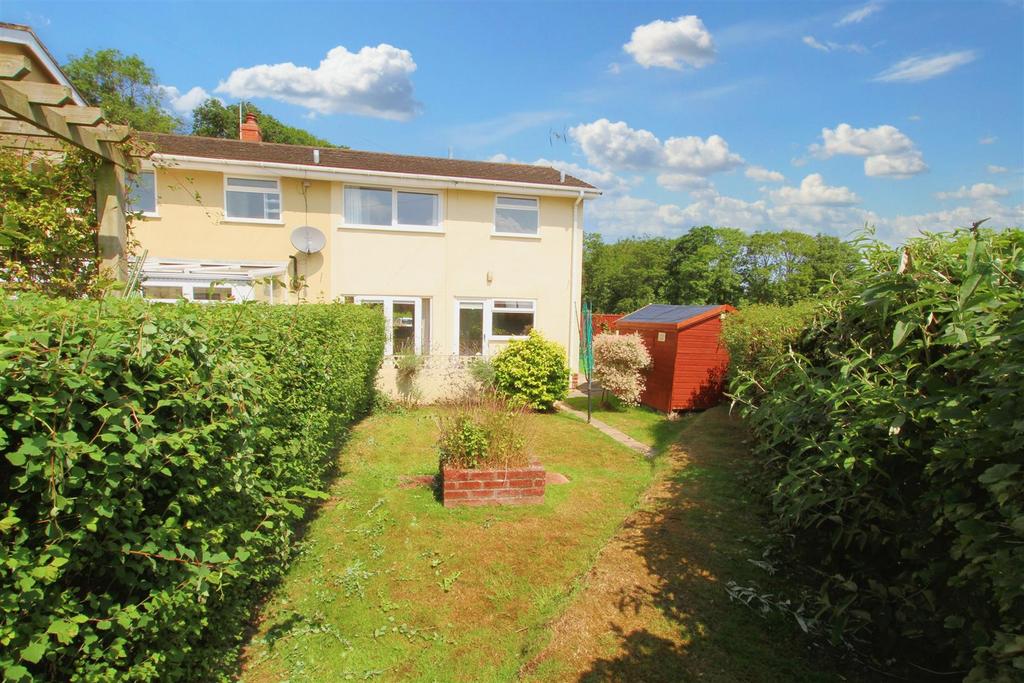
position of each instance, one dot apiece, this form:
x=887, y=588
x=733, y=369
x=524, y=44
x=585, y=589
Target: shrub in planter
x=532, y=371
x=485, y=432
x=484, y=455
x=618, y=360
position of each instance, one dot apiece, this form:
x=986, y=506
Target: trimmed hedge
x=157, y=459
x=892, y=440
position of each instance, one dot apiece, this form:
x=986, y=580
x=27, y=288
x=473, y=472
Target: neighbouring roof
x=666, y=314
x=237, y=150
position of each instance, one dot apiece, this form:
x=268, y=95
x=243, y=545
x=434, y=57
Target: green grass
x=643, y=424
x=391, y=584
x=697, y=531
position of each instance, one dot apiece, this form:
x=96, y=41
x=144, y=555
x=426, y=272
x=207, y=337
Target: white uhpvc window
x=518, y=216
x=407, y=320
x=479, y=321
x=252, y=199
x=142, y=193
x=389, y=208
x=206, y=292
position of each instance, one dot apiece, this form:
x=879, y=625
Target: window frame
x=240, y=291
x=389, y=302
x=266, y=221
x=517, y=235
x=488, y=326
x=155, y=213
x=395, y=225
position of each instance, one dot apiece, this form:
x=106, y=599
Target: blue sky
x=762, y=115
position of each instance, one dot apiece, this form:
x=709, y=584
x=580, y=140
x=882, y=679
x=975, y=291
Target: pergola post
x=112, y=237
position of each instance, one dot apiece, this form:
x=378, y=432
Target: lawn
x=620, y=575
x=643, y=424
x=391, y=584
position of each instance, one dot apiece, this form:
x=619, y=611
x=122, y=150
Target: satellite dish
x=308, y=239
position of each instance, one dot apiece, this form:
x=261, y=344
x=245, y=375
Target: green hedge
x=893, y=444
x=759, y=335
x=157, y=459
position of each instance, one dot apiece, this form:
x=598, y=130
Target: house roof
x=665, y=314
x=331, y=158
x=25, y=36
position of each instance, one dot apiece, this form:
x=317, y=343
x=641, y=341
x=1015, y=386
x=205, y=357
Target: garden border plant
x=889, y=433
x=157, y=460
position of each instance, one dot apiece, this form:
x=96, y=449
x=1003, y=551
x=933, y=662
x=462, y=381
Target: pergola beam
x=28, y=104
x=14, y=66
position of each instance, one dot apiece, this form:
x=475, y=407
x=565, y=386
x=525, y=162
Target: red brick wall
x=517, y=486
x=605, y=322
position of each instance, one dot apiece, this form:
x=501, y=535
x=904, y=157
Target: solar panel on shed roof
x=665, y=313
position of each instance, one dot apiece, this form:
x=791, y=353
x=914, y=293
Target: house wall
x=463, y=261
x=700, y=367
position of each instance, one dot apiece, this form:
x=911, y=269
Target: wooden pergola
x=39, y=113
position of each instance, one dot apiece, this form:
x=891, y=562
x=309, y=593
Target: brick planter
x=518, y=486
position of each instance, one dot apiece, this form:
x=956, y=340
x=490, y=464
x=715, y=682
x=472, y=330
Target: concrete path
x=621, y=437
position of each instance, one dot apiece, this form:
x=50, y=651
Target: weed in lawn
x=448, y=582
x=353, y=580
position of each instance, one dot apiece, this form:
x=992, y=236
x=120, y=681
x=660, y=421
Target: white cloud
x=814, y=192
x=672, y=44
x=830, y=46
x=183, y=103
x=886, y=150
x=683, y=182
x=812, y=42
x=615, y=145
x=614, y=69
x=914, y=117
x=898, y=228
x=976, y=191
x=988, y=140
x=915, y=69
x=485, y=133
x=763, y=175
x=860, y=14
x=992, y=168
x=372, y=82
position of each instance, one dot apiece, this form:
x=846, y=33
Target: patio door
x=470, y=332
x=402, y=316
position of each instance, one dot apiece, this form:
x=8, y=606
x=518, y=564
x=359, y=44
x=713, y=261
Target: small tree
x=618, y=360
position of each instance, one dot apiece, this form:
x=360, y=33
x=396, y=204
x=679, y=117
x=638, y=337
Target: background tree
x=124, y=87
x=703, y=267
x=625, y=275
x=215, y=120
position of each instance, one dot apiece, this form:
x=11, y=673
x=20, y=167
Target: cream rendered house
x=462, y=256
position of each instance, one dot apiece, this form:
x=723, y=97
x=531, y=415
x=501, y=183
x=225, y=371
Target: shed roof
x=665, y=314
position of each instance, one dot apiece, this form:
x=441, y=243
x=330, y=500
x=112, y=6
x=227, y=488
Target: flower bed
x=505, y=486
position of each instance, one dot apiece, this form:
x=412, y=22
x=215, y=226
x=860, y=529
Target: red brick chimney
x=250, y=129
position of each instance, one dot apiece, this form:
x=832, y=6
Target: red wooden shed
x=689, y=361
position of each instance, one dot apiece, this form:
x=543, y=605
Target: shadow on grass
x=661, y=660
x=698, y=533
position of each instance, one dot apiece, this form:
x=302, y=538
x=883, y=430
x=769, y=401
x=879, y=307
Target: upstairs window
x=251, y=199
x=388, y=208
x=516, y=216
x=142, y=193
